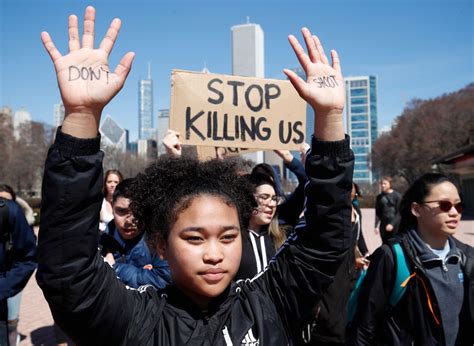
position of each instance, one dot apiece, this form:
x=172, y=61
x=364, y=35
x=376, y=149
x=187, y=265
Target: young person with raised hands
x=193, y=213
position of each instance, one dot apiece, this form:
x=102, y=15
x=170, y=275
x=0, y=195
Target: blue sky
x=416, y=48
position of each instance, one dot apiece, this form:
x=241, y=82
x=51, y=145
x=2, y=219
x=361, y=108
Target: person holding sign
x=193, y=218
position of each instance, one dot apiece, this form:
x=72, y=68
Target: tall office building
x=147, y=148
x=248, y=50
x=58, y=114
x=163, y=126
x=22, y=123
x=113, y=135
x=361, y=115
x=248, y=60
x=146, y=129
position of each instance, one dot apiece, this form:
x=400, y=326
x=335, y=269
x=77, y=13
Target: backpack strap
x=354, y=297
x=402, y=275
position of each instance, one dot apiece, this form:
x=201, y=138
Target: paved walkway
x=36, y=322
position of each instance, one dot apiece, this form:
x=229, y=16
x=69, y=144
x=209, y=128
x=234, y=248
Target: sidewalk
x=36, y=322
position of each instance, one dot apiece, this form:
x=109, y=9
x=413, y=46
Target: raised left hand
x=324, y=85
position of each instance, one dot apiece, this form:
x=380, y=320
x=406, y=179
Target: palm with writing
x=324, y=85
x=85, y=81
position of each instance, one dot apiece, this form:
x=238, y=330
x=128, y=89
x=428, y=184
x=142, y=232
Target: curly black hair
x=168, y=187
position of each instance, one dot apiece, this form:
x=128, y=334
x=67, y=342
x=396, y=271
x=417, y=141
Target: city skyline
x=417, y=49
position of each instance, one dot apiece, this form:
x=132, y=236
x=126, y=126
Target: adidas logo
x=249, y=339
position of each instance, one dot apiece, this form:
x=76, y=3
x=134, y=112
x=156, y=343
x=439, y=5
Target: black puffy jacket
x=95, y=308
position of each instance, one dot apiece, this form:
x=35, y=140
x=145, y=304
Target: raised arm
x=308, y=261
x=82, y=291
x=85, y=80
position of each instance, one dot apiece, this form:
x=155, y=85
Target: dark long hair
x=417, y=192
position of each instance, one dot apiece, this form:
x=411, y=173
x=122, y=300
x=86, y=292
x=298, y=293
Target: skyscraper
x=22, y=123
x=146, y=129
x=248, y=59
x=248, y=50
x=113, y=135
x=58, y=114
x=361, y=115
x=147, y=148
x=163, y=126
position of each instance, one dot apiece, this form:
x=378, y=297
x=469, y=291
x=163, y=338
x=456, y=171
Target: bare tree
x=425, y=130
x=129, y=164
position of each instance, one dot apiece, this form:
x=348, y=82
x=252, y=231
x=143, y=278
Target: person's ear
x=161, y=249
x=415, y=209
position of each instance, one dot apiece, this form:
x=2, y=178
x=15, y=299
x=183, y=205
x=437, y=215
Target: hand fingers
x=320, y=49
x=298, y=83
x=299, y=51
x=50, y=47
x=124, y=66
x=73, y=34
x=109, y=40
x=312, y=51
x=304, y=147
x=336, y=63
x=88, y=35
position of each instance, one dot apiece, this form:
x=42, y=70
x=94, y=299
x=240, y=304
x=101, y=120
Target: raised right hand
x=172, y=143
x=85, y=80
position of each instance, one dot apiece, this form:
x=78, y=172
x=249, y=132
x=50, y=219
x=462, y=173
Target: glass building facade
x=361, y=119
x=146, y=129
x=114, y=135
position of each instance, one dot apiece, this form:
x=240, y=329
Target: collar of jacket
x=180, y=300
x=217, y=314
x=425, y=254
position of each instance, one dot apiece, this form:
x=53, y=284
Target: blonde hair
x=277, y=232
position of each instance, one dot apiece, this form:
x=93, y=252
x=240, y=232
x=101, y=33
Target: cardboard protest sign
x=236, y=112
x=209, y=153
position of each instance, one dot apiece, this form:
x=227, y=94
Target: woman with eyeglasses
x=264, y=235
x=437, y=306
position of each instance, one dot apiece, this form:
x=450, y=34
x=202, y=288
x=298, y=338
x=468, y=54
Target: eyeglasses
x=266, y=198
x=446, y=206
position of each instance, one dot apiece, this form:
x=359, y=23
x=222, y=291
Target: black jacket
x=411, y=321
x=387, y=212
x=22, y=257
x=94, y=307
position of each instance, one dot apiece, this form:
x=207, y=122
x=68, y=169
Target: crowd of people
x=215, y=253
